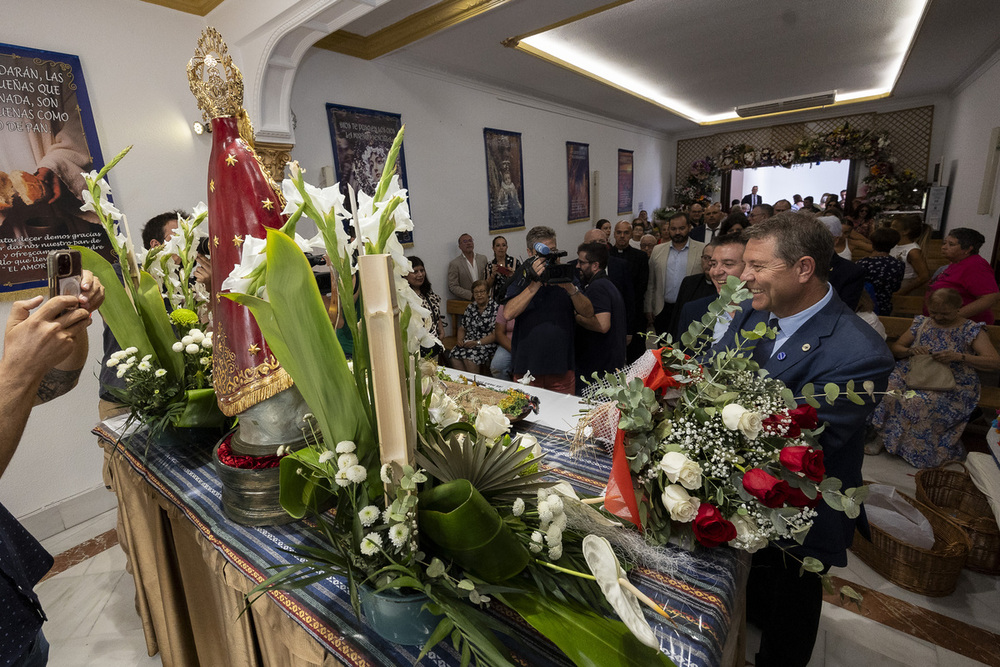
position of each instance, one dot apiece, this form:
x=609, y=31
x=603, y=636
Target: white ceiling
x=712, y=55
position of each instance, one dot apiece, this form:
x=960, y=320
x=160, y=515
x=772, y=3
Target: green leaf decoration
x=117, y=310
x=832, y=392
x=201, y=410
x=810, y=564
x=589, y=640
x=161, y=334
x=829, y=485
x=467, y=529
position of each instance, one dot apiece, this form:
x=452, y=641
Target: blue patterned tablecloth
x=180, y=467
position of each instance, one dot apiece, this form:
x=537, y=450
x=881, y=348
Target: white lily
x=623, y=596
x=253, y=257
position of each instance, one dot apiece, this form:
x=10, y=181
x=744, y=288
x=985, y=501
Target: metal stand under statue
x=249, y=382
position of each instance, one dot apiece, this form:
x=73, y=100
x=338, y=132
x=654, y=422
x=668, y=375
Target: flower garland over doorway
x=885, y=188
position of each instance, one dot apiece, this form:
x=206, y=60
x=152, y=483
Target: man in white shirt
x=668, y=266
x=465, y=269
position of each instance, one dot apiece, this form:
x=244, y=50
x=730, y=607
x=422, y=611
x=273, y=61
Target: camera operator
x=545, y=302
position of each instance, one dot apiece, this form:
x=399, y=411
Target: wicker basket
x=953, y=493
x=931, y=572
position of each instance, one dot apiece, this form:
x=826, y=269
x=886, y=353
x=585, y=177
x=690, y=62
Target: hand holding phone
x=65, y=273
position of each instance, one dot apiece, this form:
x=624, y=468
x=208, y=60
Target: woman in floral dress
x=500, y=269
x=476, y=337
x=926, y=429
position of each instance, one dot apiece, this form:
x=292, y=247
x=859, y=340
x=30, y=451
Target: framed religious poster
x=624, y=182
x=504, y=180
x=47, y=141
x=578, y=181
x=361, y=142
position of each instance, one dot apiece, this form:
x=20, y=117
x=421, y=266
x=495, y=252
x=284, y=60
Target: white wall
x=814, y=180
x=445, y=155
x=133, y=57
x=975, y=112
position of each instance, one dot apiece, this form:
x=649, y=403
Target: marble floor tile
x=112, y=650
x=83, y=552
x=74, y=604
x=79, y=534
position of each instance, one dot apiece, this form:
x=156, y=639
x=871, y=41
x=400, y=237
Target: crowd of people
x=630, y=281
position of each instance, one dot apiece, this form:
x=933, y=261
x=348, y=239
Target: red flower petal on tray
x=226, y=457
x=770, y=491
x=710, y=528
x=805, y=460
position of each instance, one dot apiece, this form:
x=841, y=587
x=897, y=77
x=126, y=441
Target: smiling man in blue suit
x=819, y=340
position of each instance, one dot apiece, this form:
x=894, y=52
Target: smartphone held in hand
x=65, y=273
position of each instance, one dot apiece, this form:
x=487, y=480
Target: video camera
x=554, y=272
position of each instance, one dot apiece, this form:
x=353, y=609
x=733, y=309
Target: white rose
x=491, y=422
x=443, y=410
x=747, y=537
x=738, y=418
x=681, y=470
x=681, y=505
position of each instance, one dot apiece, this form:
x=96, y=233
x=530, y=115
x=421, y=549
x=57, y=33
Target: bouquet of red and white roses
x=710, y=450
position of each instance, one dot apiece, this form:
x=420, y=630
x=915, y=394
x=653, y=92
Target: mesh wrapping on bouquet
x=603, y=417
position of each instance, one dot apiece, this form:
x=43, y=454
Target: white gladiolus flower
x=681, y=505
x=368, y=515
x=371, y=544
x=737, y=418
x=326, y=456
x=491, y=422
x=345, y=447
x=193, y=348
x=253, y=255
x=681, y=470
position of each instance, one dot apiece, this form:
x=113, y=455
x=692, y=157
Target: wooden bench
x=455, y=308
x=989, y=396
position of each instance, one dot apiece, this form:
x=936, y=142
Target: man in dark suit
x=753, y=199
x=638, y=264
x=820, y=340
x=726, y=260
x=846, y=277
x=708, y=229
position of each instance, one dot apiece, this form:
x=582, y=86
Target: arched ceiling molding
x=270, y=53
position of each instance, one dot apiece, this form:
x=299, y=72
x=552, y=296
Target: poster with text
x=504, y=179
x=361, y=142
x=624, y=182
x=47, y=140
x=578, y=181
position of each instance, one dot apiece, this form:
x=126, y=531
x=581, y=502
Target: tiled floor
x=90, y=602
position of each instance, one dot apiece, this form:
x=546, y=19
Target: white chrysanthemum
x=112, y=362
x=341, y=478
x=205, y=361
x=357, y=474
x=131, y=350
x=544, y=511
x=193, y=348
x=345, y=447
x=121, y=371
x=159, y=372
x=398, y=534
x=206, y=342
x=147, y=357
x=368, y=515
x=555, y=504
x=145, y=365
x=371, y=544
x=326, y=456
x=345, y=461
x=187, y=340
x=196, y=335
x=385, y=473
x=555, y=552
x=518, y=507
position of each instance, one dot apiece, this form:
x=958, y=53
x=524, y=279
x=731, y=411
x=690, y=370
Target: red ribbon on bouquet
x=620, y=497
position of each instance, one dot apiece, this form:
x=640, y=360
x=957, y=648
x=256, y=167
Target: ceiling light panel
x=702, y=58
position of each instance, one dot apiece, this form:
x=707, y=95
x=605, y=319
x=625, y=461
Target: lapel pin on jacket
x=806, y=347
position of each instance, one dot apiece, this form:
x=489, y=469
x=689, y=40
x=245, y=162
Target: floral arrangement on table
x=166, y=358
x=885, y=189
x=717, y=452
x=464, y=518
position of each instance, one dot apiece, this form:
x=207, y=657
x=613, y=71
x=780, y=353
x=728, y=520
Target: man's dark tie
x=762, y=352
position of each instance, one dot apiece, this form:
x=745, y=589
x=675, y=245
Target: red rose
x=710, y=528
x=770, y=491
x=797, y=498
x=804, y=460
x=805, y=416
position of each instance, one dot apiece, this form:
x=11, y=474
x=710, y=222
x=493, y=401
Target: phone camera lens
x=64, y=264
